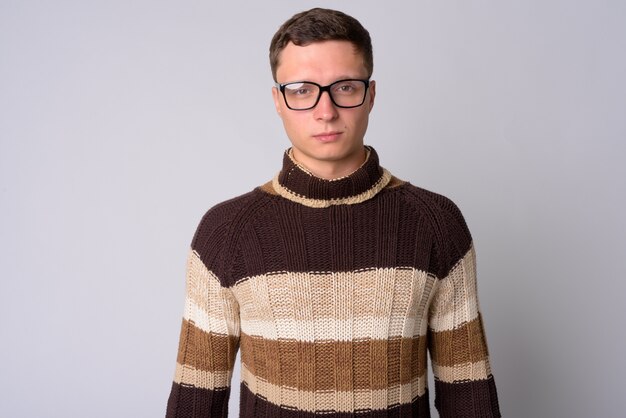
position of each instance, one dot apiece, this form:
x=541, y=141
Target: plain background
x=122, y=122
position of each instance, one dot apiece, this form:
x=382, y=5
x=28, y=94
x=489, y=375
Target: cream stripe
x=188, y=375
x=208, y=305
x=324, y=203
x=334, y=400
x=207, y=323
x=202, y=284
x=308, y=307
x=327, y=329
x=456, y=299
x=463, y=372
x=285, y=289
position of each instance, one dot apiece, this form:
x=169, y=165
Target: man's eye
x=299, y=90
x=344, y=88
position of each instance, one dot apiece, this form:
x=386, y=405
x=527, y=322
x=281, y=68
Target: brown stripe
x=467, y=399
x=332, y=400
x=254, y=220
x=253, y=405
x=322, y=366
x=300, y=182
x=205, y=351
x=465, y=344
x=186, y=401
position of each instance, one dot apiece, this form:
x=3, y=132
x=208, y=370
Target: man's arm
x=464, y=385
x=208, y=344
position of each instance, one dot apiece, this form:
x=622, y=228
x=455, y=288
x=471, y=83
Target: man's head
x=317, y=25
x=322, y=62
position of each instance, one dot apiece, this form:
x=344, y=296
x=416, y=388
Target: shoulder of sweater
x=451, y=236
x=218, y=229
x=438, y=203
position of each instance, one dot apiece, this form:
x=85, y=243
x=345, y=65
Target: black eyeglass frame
x=322, y=89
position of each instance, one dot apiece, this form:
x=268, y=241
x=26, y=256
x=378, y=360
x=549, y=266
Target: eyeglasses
x=304, y=95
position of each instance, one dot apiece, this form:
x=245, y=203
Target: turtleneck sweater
x=334, y=291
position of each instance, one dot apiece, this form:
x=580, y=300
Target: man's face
x=325, y=136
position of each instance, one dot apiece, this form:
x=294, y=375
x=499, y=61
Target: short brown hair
x=318, y=25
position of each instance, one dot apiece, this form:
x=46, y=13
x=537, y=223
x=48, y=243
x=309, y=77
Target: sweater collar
x=296, y=183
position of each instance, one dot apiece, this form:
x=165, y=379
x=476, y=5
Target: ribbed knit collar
x=296, y=183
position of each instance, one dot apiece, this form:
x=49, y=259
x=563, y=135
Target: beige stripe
x=269, y=188
x=464, y=372
x=465, y=344
x=208, y=305
x=456, y=299
x=341, y=366
x=395, y=182
x=324, y=203
x=376, y=303
x=206, y=351
x=187, y=375
x=331, y=400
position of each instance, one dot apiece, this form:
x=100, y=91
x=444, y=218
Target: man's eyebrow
x=342, y=77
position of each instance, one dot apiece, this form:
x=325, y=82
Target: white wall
x=122, y=122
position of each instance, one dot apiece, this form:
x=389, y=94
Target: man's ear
x=372, y=94
x=276, y=97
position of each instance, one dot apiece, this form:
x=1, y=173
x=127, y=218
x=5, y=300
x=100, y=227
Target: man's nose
x=325, y=108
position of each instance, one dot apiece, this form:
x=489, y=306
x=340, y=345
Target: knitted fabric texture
x=334, y=291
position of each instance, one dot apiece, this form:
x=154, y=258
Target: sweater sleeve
x=209, y=336
x=464, y=385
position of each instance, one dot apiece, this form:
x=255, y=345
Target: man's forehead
x=349, y=47
x=335, y=59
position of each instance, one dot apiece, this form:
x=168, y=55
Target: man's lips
x=327, y=136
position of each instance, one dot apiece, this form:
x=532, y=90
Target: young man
x=335, y=278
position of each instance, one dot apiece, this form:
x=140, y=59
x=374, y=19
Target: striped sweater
x=334, y=291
